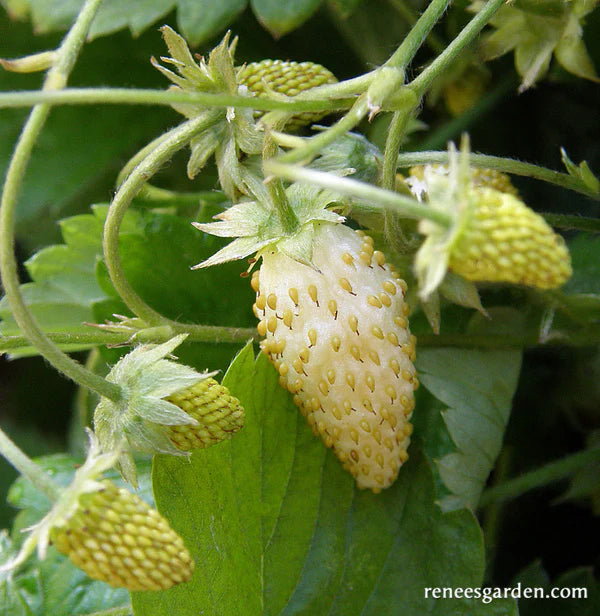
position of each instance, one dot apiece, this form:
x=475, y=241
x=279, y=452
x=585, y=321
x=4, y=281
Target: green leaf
x=585, y=253
x=18, y=593
x=80, y=150
x=114, y=16
x=279, y=18
x=64, y=283
x=477, y=387
x=277, y=526
x=169, y=285
x=199, y=20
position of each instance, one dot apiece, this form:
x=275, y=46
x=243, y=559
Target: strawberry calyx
x=140, y=421
x=255, y=227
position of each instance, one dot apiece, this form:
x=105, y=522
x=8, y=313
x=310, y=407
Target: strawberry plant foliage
x=334, y=469
x=312, y=543
x=200, y=20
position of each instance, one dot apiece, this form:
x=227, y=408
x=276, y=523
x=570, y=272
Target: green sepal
x=139, y=420
x=256, y=226
x=581, y=172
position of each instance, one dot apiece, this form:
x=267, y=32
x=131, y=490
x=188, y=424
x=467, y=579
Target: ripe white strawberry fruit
x=338, y=335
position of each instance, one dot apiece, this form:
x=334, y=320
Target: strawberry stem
x=138, y=96
x=28, y=468
x=445, y=60
x=166, y=147
x=506, y=165
x=369, y=196
x=418, y=33
x=56, y=78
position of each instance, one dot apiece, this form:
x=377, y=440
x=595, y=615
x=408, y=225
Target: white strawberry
x=335, y=324
x=338, y=334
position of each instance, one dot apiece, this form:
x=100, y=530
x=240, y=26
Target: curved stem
x=28, y=468
x=174, y=140
x=55, y=79
x=506, y=165
x=370, y=197
x=314, y=145
x=467, y=35
x=554, y=471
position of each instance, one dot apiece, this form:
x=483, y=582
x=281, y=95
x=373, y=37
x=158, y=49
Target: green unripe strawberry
x=503, y=240
x=289, y=78
x=338, y=334
x=116, y=537
x=218, y=413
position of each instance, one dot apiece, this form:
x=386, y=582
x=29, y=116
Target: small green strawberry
x=110, y=533
x=337, y=332
x=166, y=407
x=505, y=241
x=491, y=236
x=284, y=77
x=116, y=537
x=218, y=413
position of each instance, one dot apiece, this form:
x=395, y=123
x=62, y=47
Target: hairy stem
x=370, y=196
x=554, y=471
x=56, y=78
x=314, y=145
x=392, y=146
x=197, y=333
x=166, y=147
x=410, y=16
x=418, y=33
x=28, y=468
x=137, y=96
x=506, y=165
x=444, y=61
